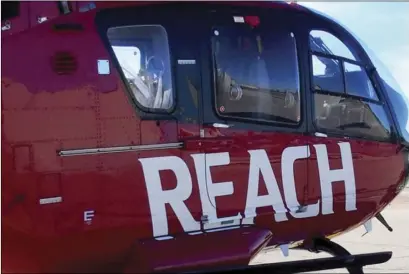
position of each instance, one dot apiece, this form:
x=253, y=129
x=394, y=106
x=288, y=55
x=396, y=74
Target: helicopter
x=191, y=136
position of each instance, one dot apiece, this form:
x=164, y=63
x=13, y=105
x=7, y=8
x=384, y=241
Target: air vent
x=64, y=63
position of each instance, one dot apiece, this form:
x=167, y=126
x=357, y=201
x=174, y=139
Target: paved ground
x=380, y=239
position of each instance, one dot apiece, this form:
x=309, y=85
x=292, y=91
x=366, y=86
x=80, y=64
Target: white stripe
x=90, y=151
x=162, y=238
x=52, y=200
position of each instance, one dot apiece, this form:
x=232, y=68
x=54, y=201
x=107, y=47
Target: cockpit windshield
x=317, y=45
x=398, y=98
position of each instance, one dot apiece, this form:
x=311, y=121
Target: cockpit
x=398, y=100
x=263, y=72
x=341, y=72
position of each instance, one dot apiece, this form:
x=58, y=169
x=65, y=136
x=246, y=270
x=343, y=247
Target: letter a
x=327, y=177
x=175, y=197
x=210, y=190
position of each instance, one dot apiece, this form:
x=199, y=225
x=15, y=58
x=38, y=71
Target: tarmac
x=379, y=239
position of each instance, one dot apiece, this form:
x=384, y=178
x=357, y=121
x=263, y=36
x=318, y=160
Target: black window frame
x=10, y=10
x=301, y=23
x=367, y=68
x=342, y=61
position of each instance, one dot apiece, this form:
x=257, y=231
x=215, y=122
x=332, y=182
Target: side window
x=130, y=59
x=351, y=116
x=357, y=82
x=325, y=42
x=143, y=54
x=327, y=74
x=256, y=73
x=345, y=99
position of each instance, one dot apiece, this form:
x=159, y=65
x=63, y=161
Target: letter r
x=175, y=197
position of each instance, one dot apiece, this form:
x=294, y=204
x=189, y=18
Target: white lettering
x=327, y=177
x=88, y=215
x=210, y=190
x=290, y=155
x=158, y=197
x=259, y=162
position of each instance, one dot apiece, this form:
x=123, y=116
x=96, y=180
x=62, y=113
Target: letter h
x=327, y=177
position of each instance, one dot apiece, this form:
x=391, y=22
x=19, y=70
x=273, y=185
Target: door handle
x=208, y=143
x=218, y=125
x=319, y=134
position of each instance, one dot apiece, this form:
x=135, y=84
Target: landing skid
x=342, y=259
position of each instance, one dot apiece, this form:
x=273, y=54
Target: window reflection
x=325, y=42
x=351, y=116
x=256, y=73
x=357, y=82
x=143, y=54
x=335, y=76
x=327, y=74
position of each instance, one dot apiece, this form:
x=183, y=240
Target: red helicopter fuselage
x=97, y=178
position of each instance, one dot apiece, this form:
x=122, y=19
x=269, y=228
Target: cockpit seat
x=331, y=116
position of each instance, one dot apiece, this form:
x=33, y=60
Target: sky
x=382, y=26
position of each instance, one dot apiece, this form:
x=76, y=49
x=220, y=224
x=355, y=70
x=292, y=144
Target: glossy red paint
x=43, y=113
x=145, y=257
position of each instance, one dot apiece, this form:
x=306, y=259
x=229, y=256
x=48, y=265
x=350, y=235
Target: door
x=253, y=118
x=353, y=142
x=158, y=51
